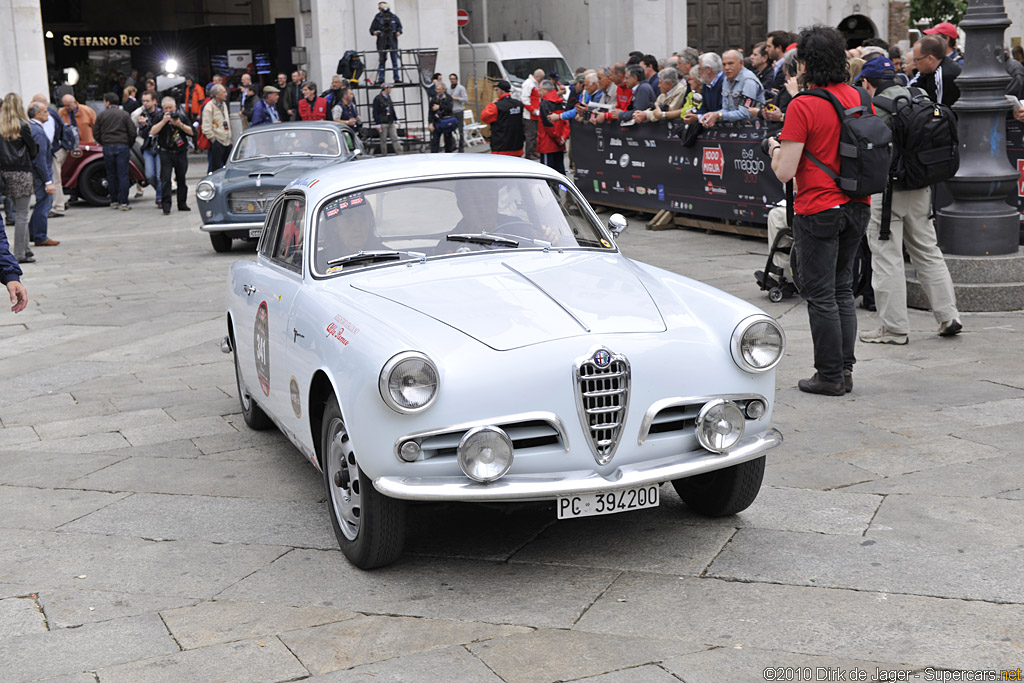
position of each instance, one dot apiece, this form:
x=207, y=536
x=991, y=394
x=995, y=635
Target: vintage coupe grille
x=251, y=201
x=602, y=397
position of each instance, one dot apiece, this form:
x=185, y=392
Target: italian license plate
x=255, y=232
x=608, y=502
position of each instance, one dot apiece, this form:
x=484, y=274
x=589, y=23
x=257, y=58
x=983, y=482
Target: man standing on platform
x=387, y=27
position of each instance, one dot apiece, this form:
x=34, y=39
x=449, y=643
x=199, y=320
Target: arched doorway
x=856, y=28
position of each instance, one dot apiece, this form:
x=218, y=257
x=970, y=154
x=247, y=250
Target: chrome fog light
x=719, y=425
x=485, y=453
x=409, y=451
x=758, y=343
x=755, y=409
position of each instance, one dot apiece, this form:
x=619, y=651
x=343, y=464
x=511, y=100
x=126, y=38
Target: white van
x=512, y=61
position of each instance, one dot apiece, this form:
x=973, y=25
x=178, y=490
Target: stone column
x=979, y=231
x=22, y=49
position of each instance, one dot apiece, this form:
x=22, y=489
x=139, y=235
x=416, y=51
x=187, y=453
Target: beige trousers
x=60, y=202
x=911, y=225
x=776, y=222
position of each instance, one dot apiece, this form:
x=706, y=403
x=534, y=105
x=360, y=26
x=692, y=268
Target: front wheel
x=370, y=526
x=722, y=492
x=220, y=241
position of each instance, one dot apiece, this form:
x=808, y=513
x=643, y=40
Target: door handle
x=295, y=335
x=248, y=289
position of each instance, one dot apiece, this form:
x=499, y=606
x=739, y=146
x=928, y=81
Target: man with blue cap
x=911, y=225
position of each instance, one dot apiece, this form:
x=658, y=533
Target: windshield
x=520, y=69
x=459, y=216
x=275, y=141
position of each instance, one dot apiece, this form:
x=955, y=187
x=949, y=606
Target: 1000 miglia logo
x=261, y=346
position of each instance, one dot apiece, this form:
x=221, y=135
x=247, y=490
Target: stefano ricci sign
x=109, y=40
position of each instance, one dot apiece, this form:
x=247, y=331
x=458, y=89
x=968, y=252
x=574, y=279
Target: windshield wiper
x=483, y=238
x=377, y=255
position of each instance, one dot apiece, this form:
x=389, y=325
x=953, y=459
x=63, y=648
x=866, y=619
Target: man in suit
x=936, y=72
x=42, y=173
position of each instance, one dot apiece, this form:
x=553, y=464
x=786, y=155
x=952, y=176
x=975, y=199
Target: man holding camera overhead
x=172, y=133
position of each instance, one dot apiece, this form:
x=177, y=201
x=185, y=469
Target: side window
x=289, y=235
x=266, y=244
x=349, y=142
x=493, y=72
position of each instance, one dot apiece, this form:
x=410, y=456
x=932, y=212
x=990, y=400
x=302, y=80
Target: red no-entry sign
x=463, y=16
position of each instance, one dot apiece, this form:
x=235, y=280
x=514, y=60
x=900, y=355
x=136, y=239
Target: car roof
x=330, y=180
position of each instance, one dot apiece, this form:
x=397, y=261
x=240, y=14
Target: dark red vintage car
x=85, y=177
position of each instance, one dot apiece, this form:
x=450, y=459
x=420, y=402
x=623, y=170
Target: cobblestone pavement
x=148, y=536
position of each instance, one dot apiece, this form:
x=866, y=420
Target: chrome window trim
x=533, y=416
x=665, y=403
x=279, y=128
x=737, y=337
x=385, y=376
x=602, y=459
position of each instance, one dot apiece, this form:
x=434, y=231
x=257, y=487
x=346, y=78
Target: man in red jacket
x=505, y=116
x=553, y=131
x=311, y=107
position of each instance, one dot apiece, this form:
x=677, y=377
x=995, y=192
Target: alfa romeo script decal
x=261, y=347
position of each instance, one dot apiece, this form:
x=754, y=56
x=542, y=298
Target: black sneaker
x=950, y=328
x=819, y=386
x=848, y=380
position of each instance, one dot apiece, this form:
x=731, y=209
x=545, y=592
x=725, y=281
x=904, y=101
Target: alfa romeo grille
x=602, y=397
x=250, y=201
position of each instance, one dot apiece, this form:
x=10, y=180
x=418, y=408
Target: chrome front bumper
x=224, y=227
x=547, y=486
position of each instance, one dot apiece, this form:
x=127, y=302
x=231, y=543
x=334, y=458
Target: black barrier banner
x=723, y=177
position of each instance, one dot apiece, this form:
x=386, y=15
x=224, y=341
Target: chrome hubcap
x=343, y=473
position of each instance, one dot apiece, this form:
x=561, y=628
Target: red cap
x=791, y=46
x=945, y=28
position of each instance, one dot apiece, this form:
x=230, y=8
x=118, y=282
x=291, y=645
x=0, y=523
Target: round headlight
x=719, y=425
x=485, y=453
x=205, y=190
x=408, y=382
x=758, y=343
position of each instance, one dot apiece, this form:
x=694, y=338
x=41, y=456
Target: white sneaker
x=883, y=336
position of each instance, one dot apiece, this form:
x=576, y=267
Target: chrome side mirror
x=617, y=224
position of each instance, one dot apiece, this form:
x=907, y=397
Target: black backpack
x=350, y=67
x=865, y=147
x=927, y=146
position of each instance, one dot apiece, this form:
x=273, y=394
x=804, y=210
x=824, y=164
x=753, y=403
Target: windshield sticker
x=261, y=346
x=293, y=389
x=338, y=205
x=334, y=269
x=606, y=243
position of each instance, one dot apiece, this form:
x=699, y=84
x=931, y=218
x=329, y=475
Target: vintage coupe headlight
x=719, y=425
x=205, y=190
x=409, y=382
x=485, y=453
x=758, y=343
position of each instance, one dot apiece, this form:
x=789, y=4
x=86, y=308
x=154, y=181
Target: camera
x=765, y=149
x=175, y=116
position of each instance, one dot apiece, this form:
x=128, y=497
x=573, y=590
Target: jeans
x=177, y=162
x=383, y=55
x=38, y=222
x=115, y=159
x=151, y=159
x=826, y=244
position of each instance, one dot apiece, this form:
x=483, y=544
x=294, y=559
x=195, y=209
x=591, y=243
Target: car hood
x=276, y=171
x=509, y=300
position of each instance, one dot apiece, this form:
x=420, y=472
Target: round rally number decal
x=261, y=347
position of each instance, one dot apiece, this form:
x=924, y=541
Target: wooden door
x=720, y=25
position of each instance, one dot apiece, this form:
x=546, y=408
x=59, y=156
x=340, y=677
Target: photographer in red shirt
x=828, y=224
